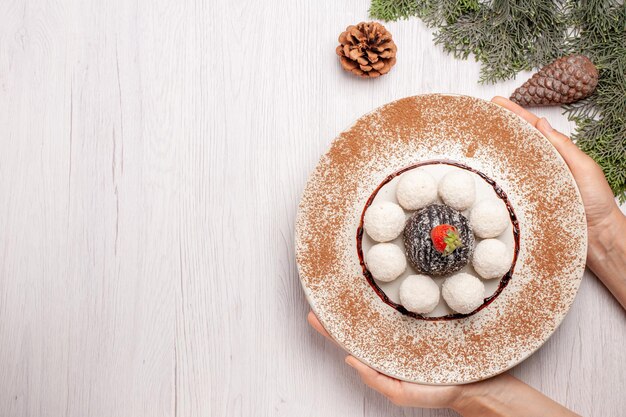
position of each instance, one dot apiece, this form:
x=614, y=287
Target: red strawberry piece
x=445, y=238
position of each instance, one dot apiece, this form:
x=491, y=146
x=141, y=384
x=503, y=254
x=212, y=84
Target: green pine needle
x=508, y=36
x=393, y=9
x=599, y=31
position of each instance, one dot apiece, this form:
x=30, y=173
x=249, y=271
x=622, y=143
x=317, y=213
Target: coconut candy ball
x=463, y=292
x=457, y=189
x=491, y=259
x=489, y=218
x=385, y=261
x=384, y=221
x=416, y=189
x=419, y=294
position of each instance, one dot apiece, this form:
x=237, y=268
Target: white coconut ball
x=457, y=189
x=384, y=221
x=419, y=294
x=463, y=292
x=385, y=261
x=489, y=218
x=491, y=259
x=416, y=189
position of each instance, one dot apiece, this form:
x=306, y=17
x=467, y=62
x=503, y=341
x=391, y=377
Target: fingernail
x=547, y=127
x=347, y=360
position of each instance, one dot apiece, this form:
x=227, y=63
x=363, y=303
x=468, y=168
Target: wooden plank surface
x=152, y=157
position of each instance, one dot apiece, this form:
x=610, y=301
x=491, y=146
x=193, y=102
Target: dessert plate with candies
x=441, y=239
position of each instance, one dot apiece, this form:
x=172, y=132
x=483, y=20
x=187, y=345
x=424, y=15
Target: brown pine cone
x=566, y=80
x=367, y=50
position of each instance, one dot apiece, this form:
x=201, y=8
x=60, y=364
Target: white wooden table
x=152, y=157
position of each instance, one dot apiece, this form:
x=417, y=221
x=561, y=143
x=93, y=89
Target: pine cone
x=566, y=80
x=367, y=50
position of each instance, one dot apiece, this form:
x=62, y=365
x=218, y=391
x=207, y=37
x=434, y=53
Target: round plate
x=489, y=139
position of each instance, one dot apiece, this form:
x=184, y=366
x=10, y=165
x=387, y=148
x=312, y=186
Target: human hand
x=594, y=189
x=606, y=225
x=400, y=392
x=500, y=396
x=601, y=210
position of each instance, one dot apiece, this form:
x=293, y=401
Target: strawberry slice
x=445, y=238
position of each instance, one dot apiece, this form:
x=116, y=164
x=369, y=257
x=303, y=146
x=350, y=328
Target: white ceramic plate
x=541, y=193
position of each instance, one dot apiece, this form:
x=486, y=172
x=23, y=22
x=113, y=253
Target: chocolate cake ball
x=418, y=241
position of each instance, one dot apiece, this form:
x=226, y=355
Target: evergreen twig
x=508, y=36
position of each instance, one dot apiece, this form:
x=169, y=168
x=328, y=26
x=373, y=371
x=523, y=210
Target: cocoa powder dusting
x=487, y=138
x=471, y=149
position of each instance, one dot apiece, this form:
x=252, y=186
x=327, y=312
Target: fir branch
x=432, y=12
x=599, y=31
x=508, y=36
x=393, y=9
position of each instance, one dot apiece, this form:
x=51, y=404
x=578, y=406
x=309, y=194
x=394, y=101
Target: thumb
x=568, y=150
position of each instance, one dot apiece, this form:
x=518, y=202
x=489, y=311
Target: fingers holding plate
x=517, y=109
